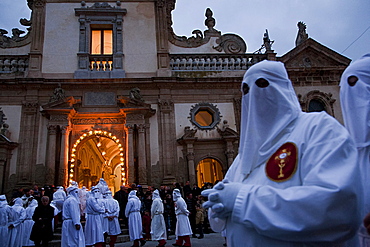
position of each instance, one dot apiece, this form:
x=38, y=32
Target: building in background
x=107, y=89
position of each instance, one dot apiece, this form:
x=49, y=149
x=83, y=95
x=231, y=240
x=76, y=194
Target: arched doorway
x=208, y=171
x=98, y=154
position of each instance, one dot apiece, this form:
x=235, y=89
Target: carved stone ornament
x=16, y=40
x=58, y=94
x=302, y=35
x=100, y=121
x=231, y=44
x=2, y=117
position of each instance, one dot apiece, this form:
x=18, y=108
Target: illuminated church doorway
x=208, y=171
x=98, y=154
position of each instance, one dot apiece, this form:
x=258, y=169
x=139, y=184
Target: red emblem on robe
x=283, y=163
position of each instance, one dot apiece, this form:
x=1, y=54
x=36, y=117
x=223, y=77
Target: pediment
x=129, y=102
x=313, y=54
x=64, y=103
x=6, y=143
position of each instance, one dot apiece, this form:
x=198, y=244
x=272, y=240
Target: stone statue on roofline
x=302, y=35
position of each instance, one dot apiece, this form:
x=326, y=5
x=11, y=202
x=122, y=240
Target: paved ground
x=209, y=240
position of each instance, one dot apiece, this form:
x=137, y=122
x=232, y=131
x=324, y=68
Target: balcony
x=10, y=64
x=214, y=62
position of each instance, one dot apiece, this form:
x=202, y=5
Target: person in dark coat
x=42, y=231
x=122, y=197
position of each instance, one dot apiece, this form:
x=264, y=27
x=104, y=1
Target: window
x=101, y=42
x=100, y=52
x=205, y=116
x=316, y=106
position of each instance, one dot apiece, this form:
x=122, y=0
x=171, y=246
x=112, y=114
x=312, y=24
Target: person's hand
x=221, y=198
x=11, y=226
x=367, y=222
x=78, y=227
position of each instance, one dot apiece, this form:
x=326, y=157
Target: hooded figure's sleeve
x=326, y=206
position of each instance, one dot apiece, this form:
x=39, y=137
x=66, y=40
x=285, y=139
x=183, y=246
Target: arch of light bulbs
x=104, y=134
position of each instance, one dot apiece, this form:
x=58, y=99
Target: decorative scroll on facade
x=229, y=43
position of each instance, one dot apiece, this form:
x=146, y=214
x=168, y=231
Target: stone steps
x=56, y=242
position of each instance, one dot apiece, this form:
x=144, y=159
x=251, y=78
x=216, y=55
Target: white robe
x=83, y=197
x=158, y=226
x=93, y=227
x=183, y=227
x=4, y=208
x=112, y=207
x=317, y=204
x=71, y=237
x=16, y=215
x=58, y=198
x=103, y=219
x=355, y=103
x=28, y=224
x=135, y=223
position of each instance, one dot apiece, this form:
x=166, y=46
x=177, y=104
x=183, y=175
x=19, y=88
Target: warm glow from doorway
x=102, y=134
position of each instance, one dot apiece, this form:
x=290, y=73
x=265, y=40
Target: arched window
x=316, y=101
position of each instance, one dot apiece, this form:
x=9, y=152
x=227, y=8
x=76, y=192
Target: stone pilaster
x=142, y=156
x=167, y=141
x=130, y=159
x=37, y=34
x=28, y=143
x=63, y=167
x=50, y=158
x=191, y=164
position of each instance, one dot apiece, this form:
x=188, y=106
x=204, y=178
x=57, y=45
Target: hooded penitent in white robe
x=17, y=214
x=158, y=226
x=132, y=212
x=295, y=180
x=355, y=102
x=83, y=197
x=111, y=215
x=94, y=213
x=28, y=224
x=4, y=208
x=71, y=237
x=183, y=227
x=59, y=197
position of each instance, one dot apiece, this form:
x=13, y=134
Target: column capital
x=52, y=129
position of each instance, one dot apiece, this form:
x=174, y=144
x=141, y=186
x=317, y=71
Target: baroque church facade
x=106, y=89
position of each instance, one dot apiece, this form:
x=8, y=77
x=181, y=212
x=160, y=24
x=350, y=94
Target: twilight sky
x=342, y=25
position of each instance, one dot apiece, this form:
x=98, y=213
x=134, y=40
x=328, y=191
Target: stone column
x=50, y=159
x=142, y=155
x=63, y=167
x=130, y=159
x=191, y=169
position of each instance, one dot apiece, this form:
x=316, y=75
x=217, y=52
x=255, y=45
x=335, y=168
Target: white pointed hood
x=355, y=100
x=266, y=114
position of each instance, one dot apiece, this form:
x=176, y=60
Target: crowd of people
x=32, y=215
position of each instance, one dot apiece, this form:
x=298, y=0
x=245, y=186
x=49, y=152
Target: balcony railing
x=209, y=62
x=12, y=64
x=101, y=62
